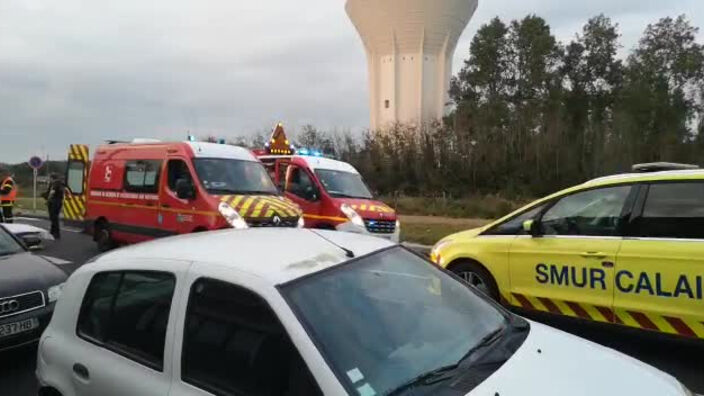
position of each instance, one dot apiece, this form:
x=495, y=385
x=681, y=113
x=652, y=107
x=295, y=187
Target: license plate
x=18, y=327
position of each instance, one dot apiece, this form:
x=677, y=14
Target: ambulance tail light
x=232, y=217
x=352, y=215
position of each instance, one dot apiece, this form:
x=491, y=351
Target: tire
x=49, y=392
x=103, y=238
x=477, y=276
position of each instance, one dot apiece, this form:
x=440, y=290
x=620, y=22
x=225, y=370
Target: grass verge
x=427, y=230
x=477, y=207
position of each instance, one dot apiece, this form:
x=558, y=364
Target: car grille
x=14, y=305
x=269, y=222
x=380, y=226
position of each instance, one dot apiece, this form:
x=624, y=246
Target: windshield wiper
x=342, y=195
x=425, y=379
x=439, y=375
x=487, y=340
x=255, y=192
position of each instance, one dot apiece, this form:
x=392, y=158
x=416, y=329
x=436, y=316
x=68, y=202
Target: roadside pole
x=35, y=163
x=34, y=201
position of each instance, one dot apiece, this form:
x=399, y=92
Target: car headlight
x=231, y=216
x=54, y=292
x=435, y=255
x=352, y=214
x=301, y=222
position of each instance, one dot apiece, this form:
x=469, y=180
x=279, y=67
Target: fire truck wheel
x=103, y=237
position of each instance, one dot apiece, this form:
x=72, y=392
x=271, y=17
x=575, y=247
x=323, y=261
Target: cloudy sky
x=75, y=71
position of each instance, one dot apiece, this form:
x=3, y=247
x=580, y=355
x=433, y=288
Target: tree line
x=532, y=115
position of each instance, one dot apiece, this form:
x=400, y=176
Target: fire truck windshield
x=228, y=176
x=343, y=184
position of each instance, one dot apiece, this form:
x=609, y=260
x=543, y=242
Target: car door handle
x=81, y=371
x=595, y=255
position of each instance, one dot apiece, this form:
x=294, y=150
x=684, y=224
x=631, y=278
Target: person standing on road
x=8, y=196
x=54, y=201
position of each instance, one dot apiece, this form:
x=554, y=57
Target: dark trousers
x=54, y=210
x=7, y=214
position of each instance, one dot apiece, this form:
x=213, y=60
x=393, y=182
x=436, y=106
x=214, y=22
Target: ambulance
x=145, y=189
x=331, y=193
x=624, y=249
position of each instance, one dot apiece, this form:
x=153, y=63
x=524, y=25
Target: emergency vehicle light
x=191, y=138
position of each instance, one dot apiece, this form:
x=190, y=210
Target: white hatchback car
x=302, y=312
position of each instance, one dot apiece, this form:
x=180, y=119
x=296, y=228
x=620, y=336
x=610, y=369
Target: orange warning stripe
x=648, y=321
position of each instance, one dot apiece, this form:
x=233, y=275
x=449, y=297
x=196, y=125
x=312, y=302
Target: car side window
x=142, y=176
x=673, y=210
x=127, y=313
x=177, y=169
x=299, y=183
x=234, y=344
x=514, y=226
x=595, y=212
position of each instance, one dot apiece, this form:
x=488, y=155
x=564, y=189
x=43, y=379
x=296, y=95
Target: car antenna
x=348, y=253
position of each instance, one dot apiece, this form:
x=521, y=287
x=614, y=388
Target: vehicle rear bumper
x=28, y=337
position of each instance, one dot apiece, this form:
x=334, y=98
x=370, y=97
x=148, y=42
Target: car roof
x=277, y=255
x=647, y=176
x=327, y=163
x=215, y=150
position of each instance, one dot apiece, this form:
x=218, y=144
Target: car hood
x=369, y=209
x=24, y=272
x=554, y=363
x=262, y=206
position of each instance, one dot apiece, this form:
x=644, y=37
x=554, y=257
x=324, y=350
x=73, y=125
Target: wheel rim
x=475, y=280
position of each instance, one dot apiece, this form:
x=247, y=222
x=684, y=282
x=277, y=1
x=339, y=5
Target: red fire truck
x=331, y=193
x=146, y=189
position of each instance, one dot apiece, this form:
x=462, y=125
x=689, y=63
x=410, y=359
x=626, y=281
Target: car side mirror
x=32, y=242
x=185, y=189
x=311, y=193
x=532, y=227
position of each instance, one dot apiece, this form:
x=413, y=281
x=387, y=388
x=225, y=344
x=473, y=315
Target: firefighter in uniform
x=8, y=195
x=54, y=201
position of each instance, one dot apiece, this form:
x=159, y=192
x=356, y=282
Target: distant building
x=410, y=45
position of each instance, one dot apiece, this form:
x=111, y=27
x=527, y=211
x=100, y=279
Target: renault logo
x=9, y=306
x=276, y=220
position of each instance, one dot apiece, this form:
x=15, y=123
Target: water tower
x=409, y=45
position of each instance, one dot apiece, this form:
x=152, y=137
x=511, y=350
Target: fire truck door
x=301, y=189
x=74, y=205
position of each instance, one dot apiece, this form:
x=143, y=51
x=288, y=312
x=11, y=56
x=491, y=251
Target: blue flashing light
x=191, y=138
x=317, y=154
x=303, y=151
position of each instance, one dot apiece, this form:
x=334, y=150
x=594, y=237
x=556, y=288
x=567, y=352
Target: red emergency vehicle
x=147, y=189
x=331, y=193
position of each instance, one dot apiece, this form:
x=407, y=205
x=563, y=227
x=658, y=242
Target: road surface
x=681, y=358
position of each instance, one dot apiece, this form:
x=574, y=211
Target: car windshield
x=390, y=317
x=8, y=244
x=343, y=184
x=230, y=176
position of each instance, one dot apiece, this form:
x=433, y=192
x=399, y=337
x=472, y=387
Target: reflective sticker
x=355, y=375
x=366, y=390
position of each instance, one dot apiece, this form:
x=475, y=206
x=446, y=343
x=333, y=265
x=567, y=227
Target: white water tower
x=410, y=45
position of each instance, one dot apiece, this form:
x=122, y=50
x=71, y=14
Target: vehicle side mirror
x=311, y=193
x=532, y=227
x=32, y=242
x=185, y=189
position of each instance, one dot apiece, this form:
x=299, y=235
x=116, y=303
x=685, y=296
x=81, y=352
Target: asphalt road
x=682, y=358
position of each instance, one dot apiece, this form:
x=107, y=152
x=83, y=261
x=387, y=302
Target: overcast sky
x=82, y=71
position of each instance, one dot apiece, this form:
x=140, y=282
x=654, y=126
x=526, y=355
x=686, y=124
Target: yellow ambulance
x=625, y=249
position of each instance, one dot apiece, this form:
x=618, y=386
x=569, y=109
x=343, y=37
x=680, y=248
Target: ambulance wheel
x=478, y=276
x=103, y=238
